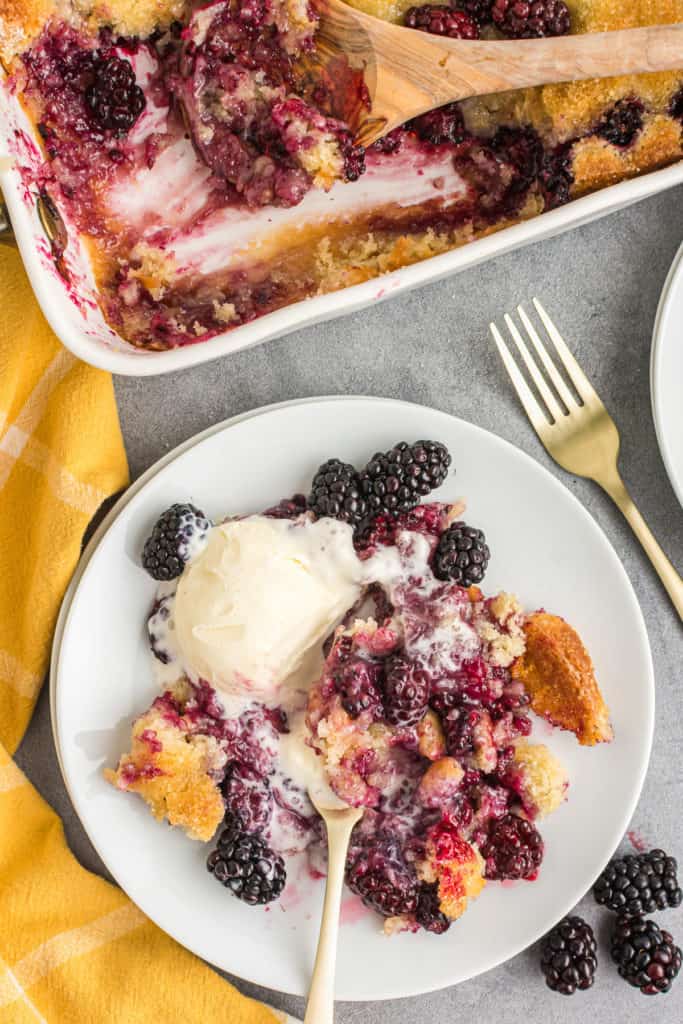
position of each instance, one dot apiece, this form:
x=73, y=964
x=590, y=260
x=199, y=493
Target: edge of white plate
x=190, y=443
x=672, y=278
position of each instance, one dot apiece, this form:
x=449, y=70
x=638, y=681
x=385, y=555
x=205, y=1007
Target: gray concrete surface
x=601, y=283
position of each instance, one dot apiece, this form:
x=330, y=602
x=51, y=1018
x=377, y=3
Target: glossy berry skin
x=622, y=123
x=379, y=875
x=406, y=692
x=114, y=99
x=568, y=956
x=646, y=956
x=638, y=885
x=531, y=19
x=169, y=546
x=335, y=492
x=358, y=681
x=480, y=10
x=513, y=849
x=442, y=20
x=394, y=481
x=245, y=864
x=428, y=914
x=462, y=555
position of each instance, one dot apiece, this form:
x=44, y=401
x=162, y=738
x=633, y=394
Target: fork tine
x=524, y=393
x=552, y=371
x=536, y=375
x=578, y=378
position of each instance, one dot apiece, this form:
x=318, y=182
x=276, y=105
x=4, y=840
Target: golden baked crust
x=558, y=675
x=22, y=21
x=171, y=770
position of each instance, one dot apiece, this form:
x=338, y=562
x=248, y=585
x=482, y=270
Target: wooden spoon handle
x=474, y=68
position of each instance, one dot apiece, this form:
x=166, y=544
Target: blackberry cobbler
x=195, y=157
x=344, y=639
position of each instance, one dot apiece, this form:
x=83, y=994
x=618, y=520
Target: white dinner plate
x=666, y=374
x=545, y=547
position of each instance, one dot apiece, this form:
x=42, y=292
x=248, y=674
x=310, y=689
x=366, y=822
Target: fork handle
x=673, y=584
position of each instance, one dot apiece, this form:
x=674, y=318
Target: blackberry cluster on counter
x=646, y=956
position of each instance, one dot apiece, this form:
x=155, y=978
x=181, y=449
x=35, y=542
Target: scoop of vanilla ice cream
x=259, y=596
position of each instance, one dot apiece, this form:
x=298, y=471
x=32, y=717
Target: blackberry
x=288, y=508
x=114, y=99
x=248, y=867
x=157, y=631
x=638, y=885
x=443, y=125
x=173, y=541
x=568, y=956
x=248, y=797
x=622, y=122
x=645, y=955
x=394, y=481
x=512, y=849
x=442, y=20
x=358, y=681
x=382, y=879
x=462, y=555
x=480, y=10
x=428, y=913
x=522, y=148
x=458, y=727
x=406, y=692
x=335, y=492
x=556, y=176
x=531, y=19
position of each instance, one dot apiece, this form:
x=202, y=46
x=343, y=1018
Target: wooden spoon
x=407, y=72
x=339, y=821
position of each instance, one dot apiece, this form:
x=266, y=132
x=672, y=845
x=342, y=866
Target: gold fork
x=579, y=434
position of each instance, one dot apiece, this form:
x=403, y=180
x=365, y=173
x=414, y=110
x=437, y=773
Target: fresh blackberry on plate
x=622, y=122
x=462, y=555
x=358, y=681
x=246, y=865
x=335, y=492
x=442, y=20
x=394, y=481
x=568, y=956
x=428, y=913
x=114, y=99
x=176, y=536
x=406, y=692
x=382, y=879
x=512, y=849
x=531, y=19
x=639, y=884
x=646, y=956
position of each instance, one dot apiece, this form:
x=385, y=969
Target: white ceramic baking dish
x=75, y=316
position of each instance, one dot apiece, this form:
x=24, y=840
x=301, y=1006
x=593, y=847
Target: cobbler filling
x=204, y=171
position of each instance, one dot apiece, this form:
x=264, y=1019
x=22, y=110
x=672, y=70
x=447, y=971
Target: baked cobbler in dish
x=201, y=168
x=344, y=639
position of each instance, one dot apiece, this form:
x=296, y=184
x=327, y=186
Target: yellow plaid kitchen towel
x=73, y=948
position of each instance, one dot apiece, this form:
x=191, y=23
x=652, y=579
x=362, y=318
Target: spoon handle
x=320, y=1008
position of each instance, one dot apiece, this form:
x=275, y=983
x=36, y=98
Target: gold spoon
x=339, y=821
x=407, y=72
